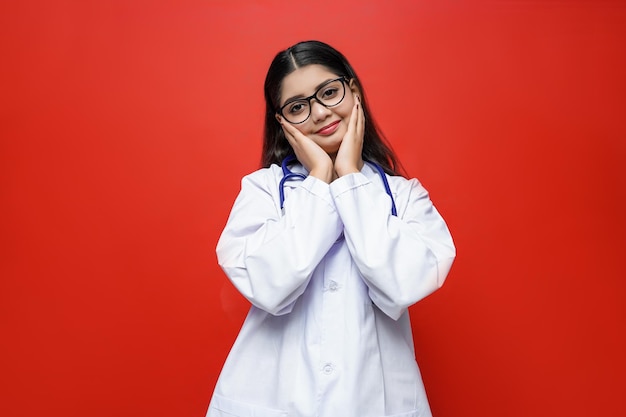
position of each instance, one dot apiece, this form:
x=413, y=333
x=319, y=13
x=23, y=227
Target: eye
x=329, y=93
x=296, y=107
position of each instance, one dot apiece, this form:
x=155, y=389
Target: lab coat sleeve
x=270, y=257
x=402, y=259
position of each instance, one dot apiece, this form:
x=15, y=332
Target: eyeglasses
x=330, y=94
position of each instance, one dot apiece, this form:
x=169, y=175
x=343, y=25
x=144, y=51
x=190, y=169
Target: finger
x=353, y=124
x=286, y=126
x=291, y=134
x=361, y=121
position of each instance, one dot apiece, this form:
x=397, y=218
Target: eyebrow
x=299, y=96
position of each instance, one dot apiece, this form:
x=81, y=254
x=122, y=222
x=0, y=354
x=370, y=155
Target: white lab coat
x=330, y=281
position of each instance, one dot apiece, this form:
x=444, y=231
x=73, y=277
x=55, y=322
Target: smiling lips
x=328, y=129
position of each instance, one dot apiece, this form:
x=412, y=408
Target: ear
x=354, y=88
x=278, y=117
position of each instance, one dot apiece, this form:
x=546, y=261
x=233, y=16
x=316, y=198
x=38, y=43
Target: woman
x=331, y=249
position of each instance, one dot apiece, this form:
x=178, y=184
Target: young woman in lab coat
x=330, y=275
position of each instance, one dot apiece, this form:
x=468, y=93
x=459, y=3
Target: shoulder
x=401, y=182
x=408, y=189
x=262, y=182
x=397, y=183
x=263, y=176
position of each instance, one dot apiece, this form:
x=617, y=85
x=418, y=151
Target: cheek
x=345, y=108
x=303, y=128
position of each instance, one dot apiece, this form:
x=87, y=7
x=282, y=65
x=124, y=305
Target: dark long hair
x=275, y=145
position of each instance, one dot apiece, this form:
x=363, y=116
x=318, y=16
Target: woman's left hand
x=349, y=156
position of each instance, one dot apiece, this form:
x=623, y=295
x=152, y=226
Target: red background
x=127, y=125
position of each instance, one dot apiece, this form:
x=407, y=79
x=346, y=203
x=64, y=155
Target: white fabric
x=330, y=281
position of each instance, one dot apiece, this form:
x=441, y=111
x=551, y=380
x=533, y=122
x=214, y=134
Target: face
x=326, y=126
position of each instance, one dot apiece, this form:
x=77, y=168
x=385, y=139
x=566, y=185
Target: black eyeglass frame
x=344, y=82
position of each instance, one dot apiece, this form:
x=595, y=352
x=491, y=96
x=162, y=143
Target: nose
x=318, y=112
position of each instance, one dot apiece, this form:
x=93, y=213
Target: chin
x=331, y=149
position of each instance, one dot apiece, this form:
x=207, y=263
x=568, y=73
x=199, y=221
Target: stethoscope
x=289, y=175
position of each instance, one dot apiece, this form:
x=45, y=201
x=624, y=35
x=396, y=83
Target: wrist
x=324, y=174
x=349, y=169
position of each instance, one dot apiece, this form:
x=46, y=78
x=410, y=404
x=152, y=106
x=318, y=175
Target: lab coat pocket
x=225, y=407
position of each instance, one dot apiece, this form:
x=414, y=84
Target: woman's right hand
x=309, y=153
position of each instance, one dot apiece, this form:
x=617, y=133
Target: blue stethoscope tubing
x=289, y=175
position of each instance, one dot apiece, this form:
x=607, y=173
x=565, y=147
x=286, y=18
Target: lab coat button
x=328, y=368
x=333, y=286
